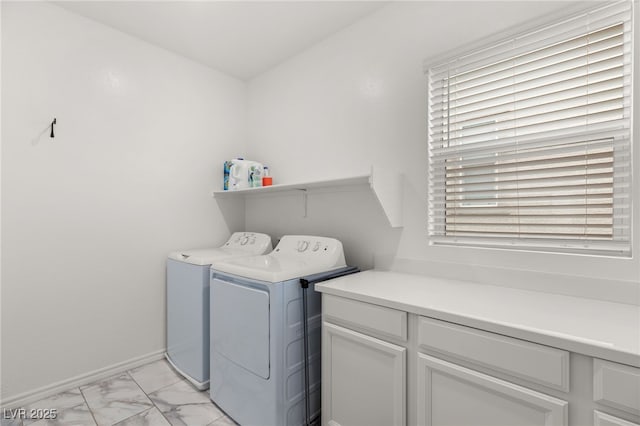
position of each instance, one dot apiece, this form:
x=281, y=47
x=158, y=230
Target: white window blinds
x=530, y=139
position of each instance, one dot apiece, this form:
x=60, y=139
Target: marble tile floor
x=153, y=395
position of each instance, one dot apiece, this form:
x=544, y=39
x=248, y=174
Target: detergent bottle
x=255, y=174
x=244, y=174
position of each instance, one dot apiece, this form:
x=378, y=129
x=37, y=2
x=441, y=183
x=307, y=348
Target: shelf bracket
x=304, y=201
x=388, y=187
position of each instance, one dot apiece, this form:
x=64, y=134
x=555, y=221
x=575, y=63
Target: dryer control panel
x=310, y=247
x=249, y=241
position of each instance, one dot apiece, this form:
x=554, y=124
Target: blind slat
x=602, y=59
x=440, y=106
x=597, y=41
x=566, y=138
x=608, y=67
x=558, y=191
x=515, y=46
x=540, y=114
x=561, y=124
x=599, y=89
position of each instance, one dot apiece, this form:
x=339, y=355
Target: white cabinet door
x=363, y=379
x=449, y=394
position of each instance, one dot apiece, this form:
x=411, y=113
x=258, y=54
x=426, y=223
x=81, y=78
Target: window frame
x=515, y=243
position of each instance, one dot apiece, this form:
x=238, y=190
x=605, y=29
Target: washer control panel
x=312, y=246
x=249, y=241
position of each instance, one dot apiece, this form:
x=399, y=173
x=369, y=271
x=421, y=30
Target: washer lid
x=239, y=244
x=295, y=256
x=206, y=256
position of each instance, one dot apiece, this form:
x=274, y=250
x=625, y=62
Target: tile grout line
x=181, y=379
x=159, y=389
x=153, y=404
x=158, y=408
x=143, y=392
x=88, y=406
x=133, y=415
x=119, y=421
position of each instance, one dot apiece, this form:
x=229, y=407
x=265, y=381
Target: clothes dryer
x=257, y=331
x=188, y=302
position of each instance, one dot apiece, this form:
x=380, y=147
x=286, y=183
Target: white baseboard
x=31, y=396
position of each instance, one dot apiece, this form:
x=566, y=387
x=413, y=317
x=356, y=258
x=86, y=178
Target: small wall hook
x=53, y=123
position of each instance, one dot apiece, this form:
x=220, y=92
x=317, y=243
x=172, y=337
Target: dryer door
x=240, y=325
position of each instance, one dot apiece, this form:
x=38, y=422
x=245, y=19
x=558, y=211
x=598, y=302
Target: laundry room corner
x=90, y=214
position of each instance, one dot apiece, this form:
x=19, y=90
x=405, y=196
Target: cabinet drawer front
x=616, y=385
x=602, y=419
x=529, y=361
x=454, y=395
x=373, y=319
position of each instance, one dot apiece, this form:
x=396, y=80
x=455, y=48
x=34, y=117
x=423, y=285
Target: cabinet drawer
x=372, y=319
x=529, y=361
x=449, y=394
x=602, y=419
x=616, y=385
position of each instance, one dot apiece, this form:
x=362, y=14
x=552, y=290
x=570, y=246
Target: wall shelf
x=387, y=187
x=302, y=186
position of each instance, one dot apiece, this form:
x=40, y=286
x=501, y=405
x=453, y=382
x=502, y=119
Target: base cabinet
x=382, y=366
x=449, y=394
x=363, y=379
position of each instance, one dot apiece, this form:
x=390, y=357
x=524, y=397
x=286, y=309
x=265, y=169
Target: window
x=530, y=139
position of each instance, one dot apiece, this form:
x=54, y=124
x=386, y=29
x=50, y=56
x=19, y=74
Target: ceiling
x=239, y=38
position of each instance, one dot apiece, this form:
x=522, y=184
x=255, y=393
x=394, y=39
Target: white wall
x=359, y=98
x=89, y=217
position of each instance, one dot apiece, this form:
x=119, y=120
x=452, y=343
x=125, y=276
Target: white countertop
x=596, y=328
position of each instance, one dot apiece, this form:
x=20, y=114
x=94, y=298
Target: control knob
x=303, y=245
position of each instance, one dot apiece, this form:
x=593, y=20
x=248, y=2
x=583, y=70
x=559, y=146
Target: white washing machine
x=258, y=374
x=188, y=302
